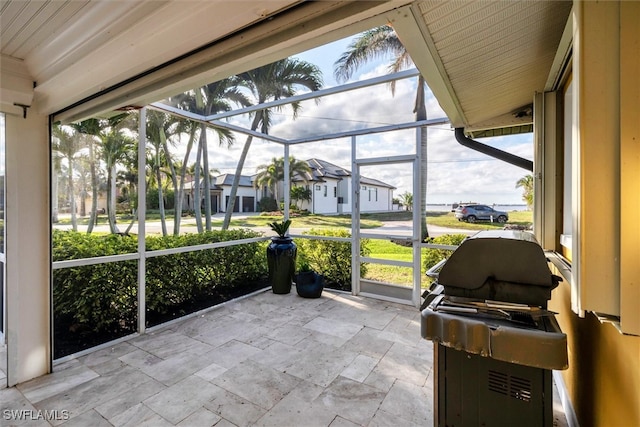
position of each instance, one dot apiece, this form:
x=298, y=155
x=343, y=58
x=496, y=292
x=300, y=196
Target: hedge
x=103, y=297
x=331, y=258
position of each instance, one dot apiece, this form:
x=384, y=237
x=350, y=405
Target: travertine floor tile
x=409, y=402
x=267, y=360
x=351, y=400
x=182, y=399
x=234, y=410
x=257, y=383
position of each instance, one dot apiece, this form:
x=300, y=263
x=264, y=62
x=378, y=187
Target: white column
x=28, y=227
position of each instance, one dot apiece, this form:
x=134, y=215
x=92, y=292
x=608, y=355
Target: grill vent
x=507, y=385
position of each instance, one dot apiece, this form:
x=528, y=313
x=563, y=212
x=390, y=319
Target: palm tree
x=381, y=42
x=191, y=129
x=271, y=174
x=267, y=176
x=271, y=82
x=160, y=127
x=526, y=183
x=97, y=128
x=115, y=147
x=406, y=199
x=67, y=143
x=209, y=99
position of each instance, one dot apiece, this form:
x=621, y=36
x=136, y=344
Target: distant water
x=506, y=208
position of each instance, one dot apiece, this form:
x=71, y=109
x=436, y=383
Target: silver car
x=476, y=212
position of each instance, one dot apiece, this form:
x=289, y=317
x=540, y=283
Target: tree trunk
x=72, y=199
x=420, y=109
x=163, y=219
x=94, y=189
x=206, y=178
x=54, y=192
x=111, y=211
x=197, y=198
x=174, y=182
x=236, y=177
x=180, y=196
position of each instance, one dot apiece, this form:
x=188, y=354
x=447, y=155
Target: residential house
x=565, y=70
x=246, y=196
x=331, y=189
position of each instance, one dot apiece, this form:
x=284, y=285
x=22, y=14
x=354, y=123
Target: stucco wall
x=603, y=379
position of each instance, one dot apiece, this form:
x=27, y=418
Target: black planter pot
x=281, y=259
x=309, y=284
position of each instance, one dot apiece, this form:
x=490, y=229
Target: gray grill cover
x=501, y=265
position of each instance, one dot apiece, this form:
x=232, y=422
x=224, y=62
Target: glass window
x=567, y=220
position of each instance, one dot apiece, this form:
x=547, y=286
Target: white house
x=246, y=195
x=331, y=186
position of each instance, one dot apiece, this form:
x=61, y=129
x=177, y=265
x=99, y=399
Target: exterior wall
x=375, y=199
x=329, y=204
x=28, y=223
x=242, y=192
x=603, y=378
x=325, y=204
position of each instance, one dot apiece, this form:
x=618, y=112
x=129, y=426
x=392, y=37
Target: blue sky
x=455, y=173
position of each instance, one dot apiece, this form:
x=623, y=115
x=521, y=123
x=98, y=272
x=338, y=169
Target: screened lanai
x=150, y=270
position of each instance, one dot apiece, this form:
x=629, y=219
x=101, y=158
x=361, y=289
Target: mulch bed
x=71, y=338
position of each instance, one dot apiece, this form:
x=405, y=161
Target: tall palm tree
x=210, y=99
x=191, y=129
x=67, y=143
x=267, y=83
x=406, y=199
x=160, y=127
x=115, y=147
x=93, y=129
x=271, y=174
x=526, y=183
x=382, y=42
x=267, y=176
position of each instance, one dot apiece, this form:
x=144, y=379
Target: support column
x=28, y=228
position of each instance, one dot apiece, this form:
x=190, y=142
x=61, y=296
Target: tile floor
x=266, y=360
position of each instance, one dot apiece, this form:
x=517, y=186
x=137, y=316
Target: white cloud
x=455, y=173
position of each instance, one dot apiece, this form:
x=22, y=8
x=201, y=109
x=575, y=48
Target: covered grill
x=495, y=341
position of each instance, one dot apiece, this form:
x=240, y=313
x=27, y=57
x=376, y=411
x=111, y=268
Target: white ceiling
x=482, y=59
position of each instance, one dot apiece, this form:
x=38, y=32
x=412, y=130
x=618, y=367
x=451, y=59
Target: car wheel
x=502, y=219
x=471, y=219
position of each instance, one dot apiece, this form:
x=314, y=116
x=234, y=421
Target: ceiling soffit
x=307, y=25
x=490, y=56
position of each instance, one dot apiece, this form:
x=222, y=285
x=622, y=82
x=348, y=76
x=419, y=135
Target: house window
x=376, y=193
x=335, y=191
x=569, y=137
x=325, y=191
x=317, y=188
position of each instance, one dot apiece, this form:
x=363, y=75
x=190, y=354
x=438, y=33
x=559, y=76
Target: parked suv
x=475, y=212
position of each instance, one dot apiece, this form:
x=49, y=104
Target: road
x=391, y=228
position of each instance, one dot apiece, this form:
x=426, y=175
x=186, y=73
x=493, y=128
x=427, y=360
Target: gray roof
x=321, y=169
x=227, y=179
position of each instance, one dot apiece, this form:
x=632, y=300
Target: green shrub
x=267, y=204
x=433, y=256
x=103, y=297
x=331, y=258
x=175, y=279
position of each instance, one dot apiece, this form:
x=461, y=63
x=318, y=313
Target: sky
x=455, y=173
